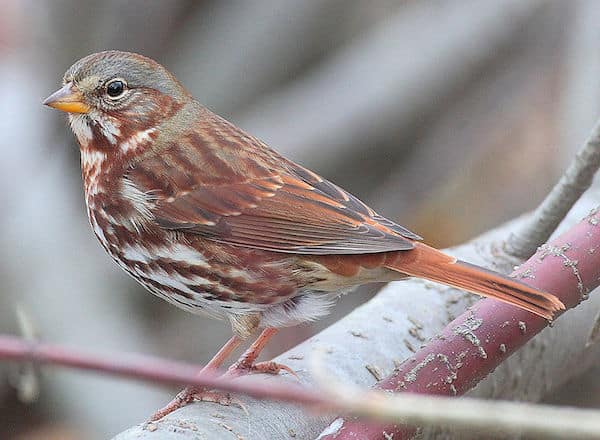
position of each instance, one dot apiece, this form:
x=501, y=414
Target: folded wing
x=252, y=197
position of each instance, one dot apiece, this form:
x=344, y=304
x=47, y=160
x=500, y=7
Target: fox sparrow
x=212, y=220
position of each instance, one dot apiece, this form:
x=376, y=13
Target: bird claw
x=245, y=365
x=219, y=397
x=184, y=397
x=267, y=367
x=191, y=394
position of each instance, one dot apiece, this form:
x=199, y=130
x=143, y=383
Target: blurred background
x=449, y=117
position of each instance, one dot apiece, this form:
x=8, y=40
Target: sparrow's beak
x=68, y=99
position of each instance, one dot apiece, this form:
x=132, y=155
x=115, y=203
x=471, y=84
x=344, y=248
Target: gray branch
x=575, y=181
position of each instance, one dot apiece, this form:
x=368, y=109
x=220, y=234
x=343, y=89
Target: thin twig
x=151, y=369
x=471, y=414
x=543, y=222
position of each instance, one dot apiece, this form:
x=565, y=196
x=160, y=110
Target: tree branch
x=152, y=369
x=465, y=414
x=475, y=343
x=574, y=182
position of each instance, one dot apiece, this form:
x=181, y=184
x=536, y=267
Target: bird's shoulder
x=197, y=147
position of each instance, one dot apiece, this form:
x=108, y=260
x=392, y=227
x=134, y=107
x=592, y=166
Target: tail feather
x=431, y=264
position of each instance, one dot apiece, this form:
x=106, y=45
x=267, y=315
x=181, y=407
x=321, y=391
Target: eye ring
x=116, y=88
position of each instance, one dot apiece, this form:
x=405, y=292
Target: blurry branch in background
x=502, y=119
x=466, y=414
x=386, y=80
x=581, y=88
x=277, y=40
x=27, y=381
x=151, y=369
x=548, y=215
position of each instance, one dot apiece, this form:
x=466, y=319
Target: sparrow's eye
x=116, y=88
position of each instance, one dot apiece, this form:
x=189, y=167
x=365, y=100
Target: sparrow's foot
x=184, y=397
x=242, y=367
x=193, y=394
x=246, y=364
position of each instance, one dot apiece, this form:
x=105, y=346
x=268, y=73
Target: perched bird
x=212, y=220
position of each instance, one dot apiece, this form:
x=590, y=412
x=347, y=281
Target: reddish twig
x=475, y=343
x=154, y=370
x=366, y=403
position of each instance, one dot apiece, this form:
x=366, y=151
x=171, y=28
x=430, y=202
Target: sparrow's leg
x=246, y=363
x=191, y=393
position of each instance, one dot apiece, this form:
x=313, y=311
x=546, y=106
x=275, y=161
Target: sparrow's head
x=111, y=96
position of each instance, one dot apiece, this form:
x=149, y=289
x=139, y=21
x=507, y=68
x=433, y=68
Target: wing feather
x=261, y=201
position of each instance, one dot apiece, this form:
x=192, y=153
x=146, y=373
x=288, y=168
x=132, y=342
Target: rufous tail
x=431, y=264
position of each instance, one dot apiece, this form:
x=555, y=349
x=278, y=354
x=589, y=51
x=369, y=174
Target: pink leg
x=244, y=365
x=246, y=362
x=191, y=393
